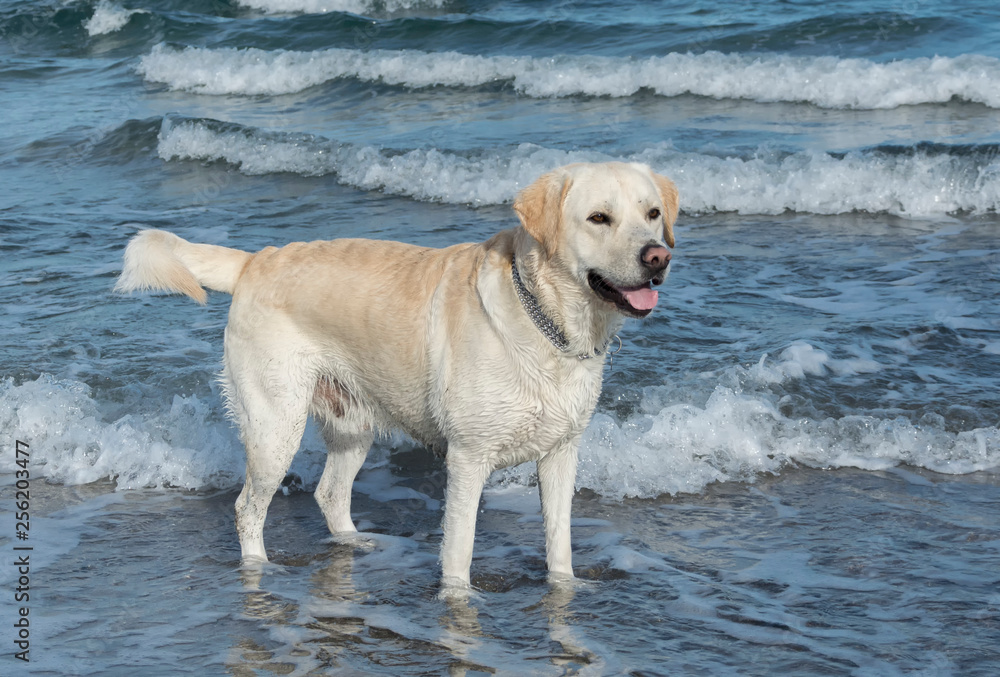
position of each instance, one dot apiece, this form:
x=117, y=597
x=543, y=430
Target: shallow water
x=842, y=572
x=793, y=465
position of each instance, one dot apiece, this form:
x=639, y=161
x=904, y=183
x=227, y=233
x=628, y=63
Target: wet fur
x=368, y=336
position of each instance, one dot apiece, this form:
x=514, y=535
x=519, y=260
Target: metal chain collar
x=542, y=321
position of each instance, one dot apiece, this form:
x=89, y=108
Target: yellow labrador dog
x=490, y=353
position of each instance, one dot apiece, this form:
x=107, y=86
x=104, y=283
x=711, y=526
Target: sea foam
x=828, y=82
x=735, y=436
x=109, y=17
x=917, y=184
x=352, y=6
x=187, y=445
x=673, y=445
x=675, y=442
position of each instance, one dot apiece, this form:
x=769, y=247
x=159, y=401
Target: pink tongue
x=642, y=299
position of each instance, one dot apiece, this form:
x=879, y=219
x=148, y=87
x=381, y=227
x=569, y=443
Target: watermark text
x=22, y=552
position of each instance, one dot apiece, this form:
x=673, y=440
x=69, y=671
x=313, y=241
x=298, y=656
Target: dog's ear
x=540, y=205
x=671, y=205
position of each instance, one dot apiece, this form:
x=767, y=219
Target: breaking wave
x=669, y=446
x=828, y=82
x=918, y=182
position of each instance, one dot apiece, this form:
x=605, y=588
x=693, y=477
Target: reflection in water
x=248, y=653
x=556, y=603
x=334, y=581
x=334, y=584
x=351, y=615
x=461, y=631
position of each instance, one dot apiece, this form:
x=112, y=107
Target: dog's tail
x=161, y=261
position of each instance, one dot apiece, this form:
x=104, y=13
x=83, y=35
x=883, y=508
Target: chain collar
x=542, y=321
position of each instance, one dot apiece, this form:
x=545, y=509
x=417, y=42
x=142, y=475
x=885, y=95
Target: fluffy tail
x=161, y=261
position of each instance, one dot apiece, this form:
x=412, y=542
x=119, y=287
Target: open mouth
x=633, y=301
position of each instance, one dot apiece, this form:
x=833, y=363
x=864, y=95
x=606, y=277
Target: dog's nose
x=654, y=257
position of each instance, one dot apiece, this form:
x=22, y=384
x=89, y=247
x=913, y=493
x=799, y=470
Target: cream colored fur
x=370, y=335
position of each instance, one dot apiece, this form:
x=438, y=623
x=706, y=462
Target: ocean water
x=794, y=467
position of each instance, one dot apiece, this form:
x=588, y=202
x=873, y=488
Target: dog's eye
x=599, y=217
x=654, y=213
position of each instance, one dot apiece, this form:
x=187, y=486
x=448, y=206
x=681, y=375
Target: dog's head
x=609, y=225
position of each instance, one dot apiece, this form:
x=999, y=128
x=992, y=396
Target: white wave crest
x=352, y=6
x=423, y=174
x=672, y=445
x=109, y=17
x=736, y=436
x=71, y=443
x=828, y=82
x=917, y=185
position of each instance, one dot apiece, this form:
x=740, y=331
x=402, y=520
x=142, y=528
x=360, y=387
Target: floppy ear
x=671, y=203
x=539, y=206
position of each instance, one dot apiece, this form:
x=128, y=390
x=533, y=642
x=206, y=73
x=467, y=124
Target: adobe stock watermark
x=22, y=552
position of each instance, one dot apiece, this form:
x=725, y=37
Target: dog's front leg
x=556, y=485
x=466, y=477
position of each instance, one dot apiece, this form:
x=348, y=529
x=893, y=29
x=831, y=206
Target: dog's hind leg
x=271, y=444
x=271, y=409
x=345, y=454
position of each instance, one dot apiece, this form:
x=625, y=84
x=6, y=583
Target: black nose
x=655, y=258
